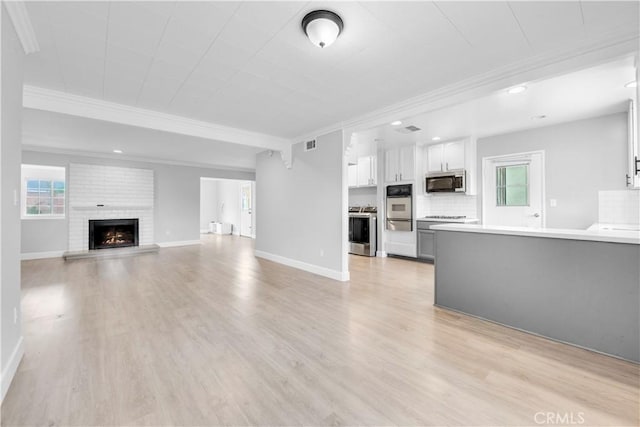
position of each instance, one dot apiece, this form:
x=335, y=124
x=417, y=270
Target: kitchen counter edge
x=610, y=236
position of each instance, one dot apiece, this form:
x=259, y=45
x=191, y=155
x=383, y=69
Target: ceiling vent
x=310, y=145
x=408, y=129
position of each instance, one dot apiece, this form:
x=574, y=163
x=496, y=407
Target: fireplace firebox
x=112, y=233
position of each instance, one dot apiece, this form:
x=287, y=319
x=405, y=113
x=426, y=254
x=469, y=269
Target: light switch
x=553, y=203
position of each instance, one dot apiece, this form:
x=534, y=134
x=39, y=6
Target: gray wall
x=208, y=203
x=12, y=59
x=177, y=199
x=581, y=158
x=301, y=209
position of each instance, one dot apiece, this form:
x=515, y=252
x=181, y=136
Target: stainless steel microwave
x=454, y=181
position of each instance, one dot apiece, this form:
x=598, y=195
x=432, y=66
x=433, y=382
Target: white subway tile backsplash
x=124, y=192
x=619, y=207
x=447, y=204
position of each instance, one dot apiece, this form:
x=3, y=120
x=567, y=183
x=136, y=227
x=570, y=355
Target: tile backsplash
x=619, y=207
x=447, y=204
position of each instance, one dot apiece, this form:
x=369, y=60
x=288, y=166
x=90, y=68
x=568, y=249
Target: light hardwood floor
x=210, y=335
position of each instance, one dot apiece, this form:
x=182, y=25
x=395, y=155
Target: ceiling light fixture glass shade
x=322, y=27
x=517, y=89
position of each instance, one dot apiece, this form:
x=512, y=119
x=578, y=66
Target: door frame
x=515, y=157
x=251, y=232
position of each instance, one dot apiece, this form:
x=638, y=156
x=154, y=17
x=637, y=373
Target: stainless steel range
x=362, y=230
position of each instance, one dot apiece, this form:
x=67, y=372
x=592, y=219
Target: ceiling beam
x=22, y=23
x=60, y=102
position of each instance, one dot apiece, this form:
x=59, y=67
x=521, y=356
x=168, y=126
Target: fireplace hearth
x=112, y=233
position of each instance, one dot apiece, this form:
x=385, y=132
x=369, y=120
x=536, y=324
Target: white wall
x=11, y=72
x=229, y=203
x=176, y=199
x=208, y=203
x=581, y=158
x=302, y=209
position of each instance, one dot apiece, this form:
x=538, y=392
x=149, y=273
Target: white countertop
x=613, y=236
x=450, y=221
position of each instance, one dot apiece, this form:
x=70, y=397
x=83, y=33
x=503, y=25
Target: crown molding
x=60, y=102
x=550, y=64
x=118, y=157
x=22, y=23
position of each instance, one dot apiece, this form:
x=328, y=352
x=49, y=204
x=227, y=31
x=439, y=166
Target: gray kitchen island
x=575, y=286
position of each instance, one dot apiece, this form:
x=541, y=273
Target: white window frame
x=44, y=173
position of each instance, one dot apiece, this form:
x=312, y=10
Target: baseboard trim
x=179, y=243
x=342, y=276
x=12, y=367
x=41, y=255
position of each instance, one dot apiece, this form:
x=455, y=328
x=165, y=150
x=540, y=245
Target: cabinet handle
x=401, y=177
x=447, y=165
x=396, y=177
x=441, y=169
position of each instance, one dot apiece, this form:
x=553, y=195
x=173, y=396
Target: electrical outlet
x=15, y=315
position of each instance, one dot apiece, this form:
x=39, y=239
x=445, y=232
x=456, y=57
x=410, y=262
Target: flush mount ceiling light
x=517, y=89
x=396, y=123
x=436, y=138
x=322, y=27
x=117, y=151
x=632, y=84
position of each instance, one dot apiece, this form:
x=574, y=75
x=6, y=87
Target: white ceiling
x=48, y=131
x=249, y=65
x=587, y=93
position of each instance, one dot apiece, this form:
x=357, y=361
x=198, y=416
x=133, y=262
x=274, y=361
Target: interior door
x=246, y=228
x=513, y=190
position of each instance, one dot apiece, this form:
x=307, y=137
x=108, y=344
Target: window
x=43, y=191
x=512, y=185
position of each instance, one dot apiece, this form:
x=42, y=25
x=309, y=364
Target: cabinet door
x=391, y=165
x=454, y=155
x=373, y=174
x=434, y=158
x=426, y=244
x=353, y=175
x=407, y=164
x=364, y=170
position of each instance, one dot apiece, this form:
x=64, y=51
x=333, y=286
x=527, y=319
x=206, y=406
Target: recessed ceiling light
x=436, y=138
x=540, y=117
x=632, y=84
x=117, y=151
x=517, y=89
x=396, y=123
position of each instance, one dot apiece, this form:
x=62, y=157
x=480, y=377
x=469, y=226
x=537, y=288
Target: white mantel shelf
x=111, y=208
x=611, y=236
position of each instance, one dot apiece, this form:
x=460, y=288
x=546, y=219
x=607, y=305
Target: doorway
x=227, y=206
x=513, y=190
x=246, y=210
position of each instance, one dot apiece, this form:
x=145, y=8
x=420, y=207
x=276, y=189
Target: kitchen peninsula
x=576, y=286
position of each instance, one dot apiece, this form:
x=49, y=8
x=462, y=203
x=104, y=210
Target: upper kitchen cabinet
x=363, y=164
x=446, y=156
x=453, y=155
x=399, y=164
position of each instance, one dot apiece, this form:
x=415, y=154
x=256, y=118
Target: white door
x=246, y=210
x=513, y=190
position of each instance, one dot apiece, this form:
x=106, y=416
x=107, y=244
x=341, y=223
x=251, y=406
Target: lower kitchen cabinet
x=426, y=244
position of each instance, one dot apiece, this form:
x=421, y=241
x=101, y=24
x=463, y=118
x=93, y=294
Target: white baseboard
x=179, y=243
x=12, y=367
x=41, y=255
x=342, y=276
x=381, y=254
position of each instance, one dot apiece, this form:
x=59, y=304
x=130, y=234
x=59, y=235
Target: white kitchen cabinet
x=353, y=175
x=400, y=164
x=445, y=157
x=367, y=171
